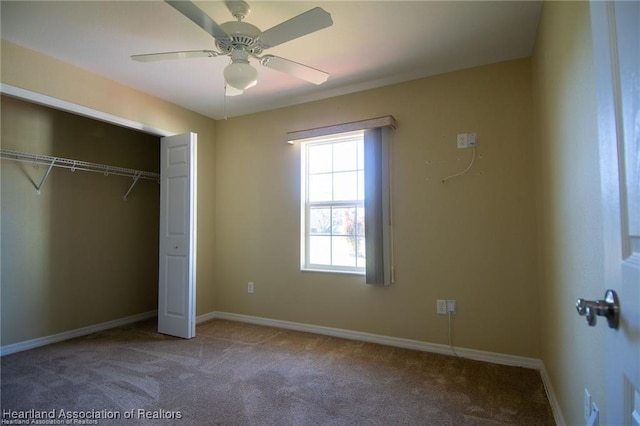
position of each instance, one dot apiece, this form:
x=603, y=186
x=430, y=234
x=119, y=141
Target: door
x=177, y=281
x=616, y=31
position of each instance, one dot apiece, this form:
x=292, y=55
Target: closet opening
x=76, y=254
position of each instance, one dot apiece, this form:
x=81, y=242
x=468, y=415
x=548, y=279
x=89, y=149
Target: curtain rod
x=73, y=165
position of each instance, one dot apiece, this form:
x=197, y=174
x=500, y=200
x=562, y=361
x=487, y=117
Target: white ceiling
x=371, y=44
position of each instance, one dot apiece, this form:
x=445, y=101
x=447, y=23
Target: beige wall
x=570, y=220
x=453, y=240
x=472, y=239
x=76, y=254
x=23, y=68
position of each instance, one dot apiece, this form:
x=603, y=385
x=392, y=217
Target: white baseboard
x=553, y=401
x=477, y=355
x=66, y=335
x=205, y=317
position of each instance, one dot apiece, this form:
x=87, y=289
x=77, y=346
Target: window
x=345, y=173
x=333, y=213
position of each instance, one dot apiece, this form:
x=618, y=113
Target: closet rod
x=73, y=165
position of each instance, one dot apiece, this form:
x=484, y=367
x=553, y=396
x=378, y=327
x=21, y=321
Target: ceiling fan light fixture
x=239, y=74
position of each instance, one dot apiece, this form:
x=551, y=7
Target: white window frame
x=306, y=205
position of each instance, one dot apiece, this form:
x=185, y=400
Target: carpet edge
x=478, y=355
x=71, y=334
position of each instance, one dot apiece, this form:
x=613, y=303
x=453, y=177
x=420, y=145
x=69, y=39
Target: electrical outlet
x=250, y=288
x=451, y=306
x=587, y=405
x=462, y=140
x=441, y=307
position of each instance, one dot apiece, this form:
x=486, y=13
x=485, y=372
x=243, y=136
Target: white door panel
x=616, y=31
x=176, y=295
x=177, y=272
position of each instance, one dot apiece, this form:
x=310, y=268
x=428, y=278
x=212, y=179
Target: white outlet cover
x=462, y=140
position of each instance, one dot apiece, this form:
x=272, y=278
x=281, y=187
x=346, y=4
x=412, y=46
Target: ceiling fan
x=241, y=41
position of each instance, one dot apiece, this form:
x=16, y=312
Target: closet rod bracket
x=46, y=175
x=135, y=180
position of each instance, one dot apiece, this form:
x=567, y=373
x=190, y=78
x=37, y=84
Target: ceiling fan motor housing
x=243, y=35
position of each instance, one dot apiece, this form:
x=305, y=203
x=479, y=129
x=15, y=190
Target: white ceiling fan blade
x=164, y=56
x=298, y=26
x=295, y=69
x=201, y=19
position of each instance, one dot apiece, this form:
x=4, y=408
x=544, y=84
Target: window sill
x=333, y=271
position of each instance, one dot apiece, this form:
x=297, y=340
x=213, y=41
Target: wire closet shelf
x=73, y=165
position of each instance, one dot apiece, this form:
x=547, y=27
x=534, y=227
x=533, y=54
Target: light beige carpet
x=240, y=374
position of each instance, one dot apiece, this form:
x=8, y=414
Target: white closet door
x=177, y=275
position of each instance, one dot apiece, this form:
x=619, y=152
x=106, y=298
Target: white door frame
x=60, y=104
